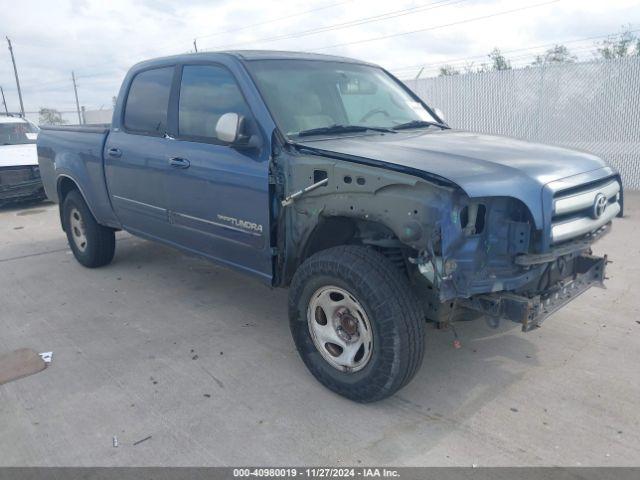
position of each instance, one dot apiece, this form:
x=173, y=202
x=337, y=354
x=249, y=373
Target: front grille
x=15, y=175
x=585, y=209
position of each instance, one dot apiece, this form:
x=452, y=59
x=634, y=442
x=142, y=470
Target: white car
x=19, y=170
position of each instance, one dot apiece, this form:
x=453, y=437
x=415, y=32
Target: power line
x=518, y=62
x=436, y=27
x=348, y=24
x=355, y=22
x=514, y=62
x=245, y=27
x=440, y=3
x=429, y=67
x=579, y=50
x=273, y=20
x=463, y=59
x=99, y=74
x=519, y=59
x=63, y=110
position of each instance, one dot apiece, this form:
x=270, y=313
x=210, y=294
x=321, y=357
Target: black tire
x=100, y=241
x=396, y=319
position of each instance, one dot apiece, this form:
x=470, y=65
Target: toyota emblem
x=599, y=205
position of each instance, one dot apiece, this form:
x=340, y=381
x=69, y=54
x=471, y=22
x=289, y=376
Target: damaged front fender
x=372, y=205
x=479, y=240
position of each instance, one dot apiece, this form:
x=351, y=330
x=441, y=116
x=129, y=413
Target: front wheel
x=92, y=244
x=356, y=323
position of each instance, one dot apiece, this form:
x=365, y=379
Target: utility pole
x=15, y=71
x=195, y=45
x=4, y=102
x=75, y=90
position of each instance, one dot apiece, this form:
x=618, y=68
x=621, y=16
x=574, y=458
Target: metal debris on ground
x=143, y=440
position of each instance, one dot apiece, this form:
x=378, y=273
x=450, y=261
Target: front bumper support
x=26, y=189
x=532, y=311
x=570, y=248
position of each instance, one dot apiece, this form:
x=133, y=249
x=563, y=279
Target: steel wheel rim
x=78, y=232
x=340, y=329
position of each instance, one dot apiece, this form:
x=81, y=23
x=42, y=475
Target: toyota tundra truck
x=330, y=177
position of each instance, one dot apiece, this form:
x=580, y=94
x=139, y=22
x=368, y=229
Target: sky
x=99, y=40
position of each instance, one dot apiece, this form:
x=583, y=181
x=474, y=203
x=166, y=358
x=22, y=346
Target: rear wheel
x=92, y=244
x=356, y=323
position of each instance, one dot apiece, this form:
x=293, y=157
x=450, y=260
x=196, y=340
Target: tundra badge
x=241, y=224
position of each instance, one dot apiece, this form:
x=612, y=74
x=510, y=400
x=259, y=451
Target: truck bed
x=75, y=152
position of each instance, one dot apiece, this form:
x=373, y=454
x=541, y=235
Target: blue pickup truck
x=329, y=176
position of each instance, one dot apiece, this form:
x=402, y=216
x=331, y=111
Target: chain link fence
x=589, y=106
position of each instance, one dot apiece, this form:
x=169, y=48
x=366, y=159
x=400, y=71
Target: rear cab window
x=146, y=109
x=206, y=93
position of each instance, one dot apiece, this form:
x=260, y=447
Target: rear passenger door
x=219, y=200
x=136, y=161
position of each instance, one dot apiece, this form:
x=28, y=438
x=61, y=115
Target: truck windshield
x=314, y=97
x=17, y=133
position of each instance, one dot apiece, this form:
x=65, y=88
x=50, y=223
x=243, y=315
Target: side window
x=148, y=101
x=206, y=93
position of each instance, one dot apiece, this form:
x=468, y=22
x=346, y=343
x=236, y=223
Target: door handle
x=179, y=162
x=114, y=152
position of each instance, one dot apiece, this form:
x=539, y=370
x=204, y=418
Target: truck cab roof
x=248, y=55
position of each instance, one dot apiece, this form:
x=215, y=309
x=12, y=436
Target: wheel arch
x=64, y=185
x=329, y=232
x=338, y=230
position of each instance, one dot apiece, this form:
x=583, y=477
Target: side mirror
x=439, y=113
x=228, y=127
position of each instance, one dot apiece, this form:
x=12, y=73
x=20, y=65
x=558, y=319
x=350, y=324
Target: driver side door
x=218, y=199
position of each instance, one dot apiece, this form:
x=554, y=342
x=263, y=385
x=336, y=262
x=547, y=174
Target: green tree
x=557, y=54
x=498, y=60
x=619, y=46
x=50, y=116
x=448, y=70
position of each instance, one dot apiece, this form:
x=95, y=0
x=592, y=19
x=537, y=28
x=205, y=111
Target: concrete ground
x=200, y=358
